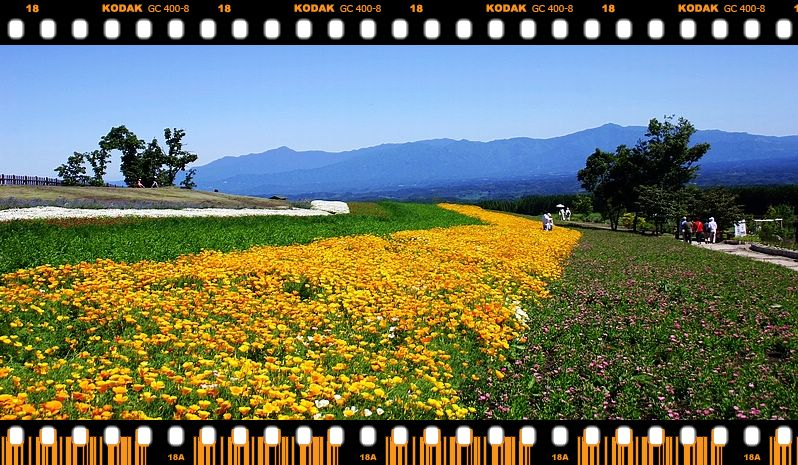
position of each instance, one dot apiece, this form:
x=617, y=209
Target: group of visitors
x=548, y=222
x=548, y=219
x=703, y=231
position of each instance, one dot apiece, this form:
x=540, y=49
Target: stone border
x=774, y=251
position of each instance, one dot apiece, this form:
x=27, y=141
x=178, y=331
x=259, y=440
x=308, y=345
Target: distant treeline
x=754, y=200
x=535, y=204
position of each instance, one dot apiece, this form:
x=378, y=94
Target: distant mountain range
x=462, y=169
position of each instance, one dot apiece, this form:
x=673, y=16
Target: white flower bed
x=59, y=212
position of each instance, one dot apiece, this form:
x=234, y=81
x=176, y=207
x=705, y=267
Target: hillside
x=462, y=168
x=122, y=197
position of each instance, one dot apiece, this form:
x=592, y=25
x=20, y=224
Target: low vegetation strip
x=651, y=328
x=27, y=244
x=393, y=327
x=114, y=197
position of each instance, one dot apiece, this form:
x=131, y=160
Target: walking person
x=712, y=230
x=698, y=229
x=545, y=221
x=568, y=214
x=687, y=230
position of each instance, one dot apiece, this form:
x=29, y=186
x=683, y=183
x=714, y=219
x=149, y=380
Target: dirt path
x=743, y=250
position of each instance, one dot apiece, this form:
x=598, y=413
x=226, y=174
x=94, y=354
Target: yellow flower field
x=345, y=327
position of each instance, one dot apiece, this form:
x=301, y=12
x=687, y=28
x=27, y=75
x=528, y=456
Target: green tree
x=98, y=159
x=583, y=204
x=778, y=231
x=122, y=139
x=177, y=158
x=149, y=163
x=716, y=202
x=663, y=160
x=73, y=172
x=665, y=157
x=721, y=204
x=188, y=182
x=609, y=177
x=658, y=205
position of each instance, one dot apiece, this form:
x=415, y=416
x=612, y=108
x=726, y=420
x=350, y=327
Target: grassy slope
x=643, y=327
x=31, y=243
x=120, y=197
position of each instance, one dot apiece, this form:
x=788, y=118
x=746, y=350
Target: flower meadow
x=651, y=328
x=394, y=326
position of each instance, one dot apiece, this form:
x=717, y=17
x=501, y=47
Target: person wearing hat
x=712, y=230
x=687, y=230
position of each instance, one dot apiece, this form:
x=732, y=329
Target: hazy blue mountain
x=271, y=161
x=433, y=166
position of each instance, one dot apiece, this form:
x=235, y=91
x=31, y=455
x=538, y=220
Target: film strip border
x=397, y=443
x=419, y=22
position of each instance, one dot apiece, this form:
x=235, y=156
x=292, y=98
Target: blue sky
x=237, y=100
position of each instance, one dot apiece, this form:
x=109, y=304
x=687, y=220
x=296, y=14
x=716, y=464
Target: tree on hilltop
x=73, y=172
x=188, y=181
x=122, y=139
x=149, y=164
x=98, y=159
x=177, y=158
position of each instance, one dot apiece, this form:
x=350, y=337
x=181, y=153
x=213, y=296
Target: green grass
x=30, y=243
x=644, y=328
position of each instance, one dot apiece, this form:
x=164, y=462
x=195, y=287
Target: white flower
x=337, y=397
x=317, y=416
x=380, y=411
x=521, y=315
x=322, y=403
x=367, y=412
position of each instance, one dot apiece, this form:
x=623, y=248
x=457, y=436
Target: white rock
x=329, y=206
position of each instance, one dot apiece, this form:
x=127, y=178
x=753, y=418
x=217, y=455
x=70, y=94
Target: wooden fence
x=12, y=180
